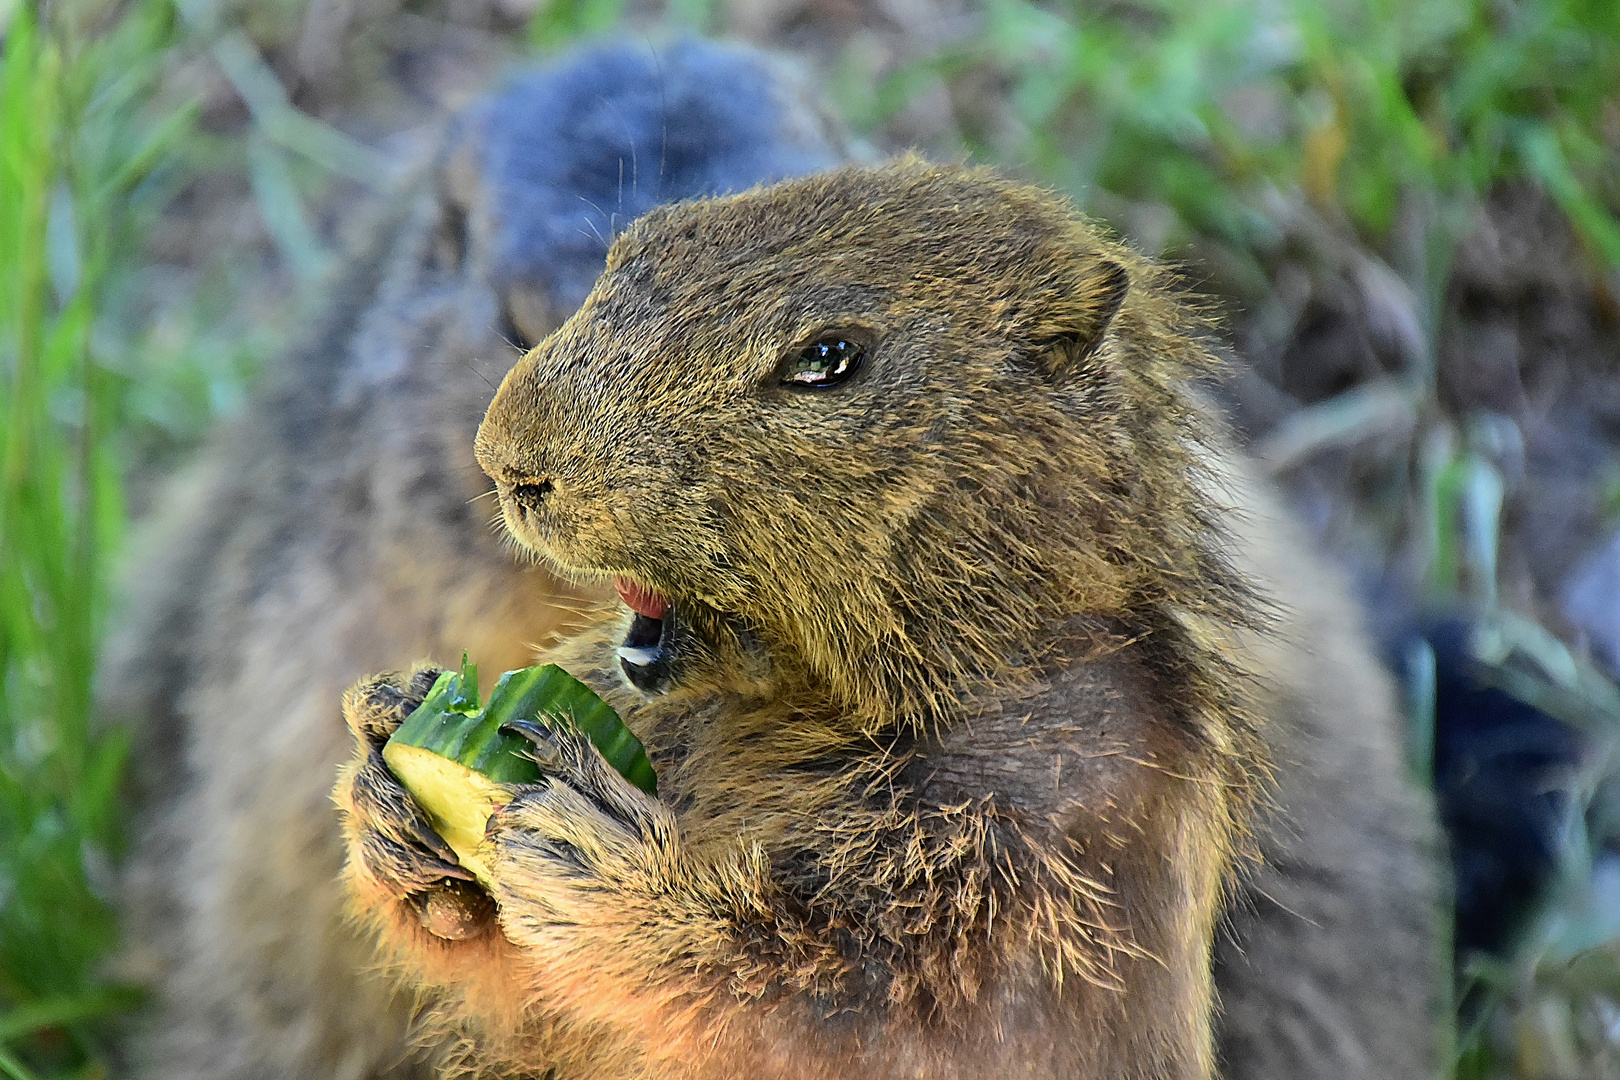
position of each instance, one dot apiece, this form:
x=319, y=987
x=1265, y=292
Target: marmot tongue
x=640, y=599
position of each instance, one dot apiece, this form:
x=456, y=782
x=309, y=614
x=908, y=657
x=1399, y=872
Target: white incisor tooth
x=638, y=657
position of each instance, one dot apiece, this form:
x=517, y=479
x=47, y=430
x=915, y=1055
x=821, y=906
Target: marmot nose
x=532, y=496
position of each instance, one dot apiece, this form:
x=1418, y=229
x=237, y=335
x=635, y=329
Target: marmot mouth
x=648, y=652
x=641, y=599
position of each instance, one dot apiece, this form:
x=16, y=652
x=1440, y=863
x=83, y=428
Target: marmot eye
x=828, y=362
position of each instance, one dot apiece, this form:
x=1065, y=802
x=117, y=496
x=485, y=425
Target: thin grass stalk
x=72, y=148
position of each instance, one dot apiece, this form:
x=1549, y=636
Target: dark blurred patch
x=1590, y=603
x=581, y=152
x=1503, y=773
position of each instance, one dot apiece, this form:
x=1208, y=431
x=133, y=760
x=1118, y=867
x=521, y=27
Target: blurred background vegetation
x=1406, y=209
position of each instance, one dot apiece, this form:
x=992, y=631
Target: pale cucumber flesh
x=458, y=802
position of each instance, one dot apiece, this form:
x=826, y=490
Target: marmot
x=338, y=527
x=994, y=708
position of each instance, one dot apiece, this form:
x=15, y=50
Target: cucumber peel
x=453, y=758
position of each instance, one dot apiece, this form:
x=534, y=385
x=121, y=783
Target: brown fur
x=979, y=694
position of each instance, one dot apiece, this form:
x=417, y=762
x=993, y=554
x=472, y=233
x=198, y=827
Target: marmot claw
x=543, y=748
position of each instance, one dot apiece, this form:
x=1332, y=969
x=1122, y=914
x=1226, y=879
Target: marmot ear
x=1082, y=326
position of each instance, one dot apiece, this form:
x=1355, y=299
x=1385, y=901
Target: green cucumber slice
x=453, y=758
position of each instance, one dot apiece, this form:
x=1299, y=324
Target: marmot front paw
x=389, y=836
x=582, y=825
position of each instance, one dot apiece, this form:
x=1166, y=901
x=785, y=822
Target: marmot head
x=884, y=433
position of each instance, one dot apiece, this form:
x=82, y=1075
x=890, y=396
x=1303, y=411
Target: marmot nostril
x=532, y=495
